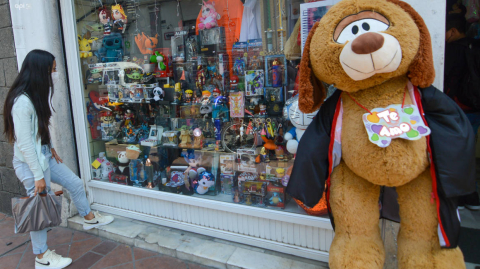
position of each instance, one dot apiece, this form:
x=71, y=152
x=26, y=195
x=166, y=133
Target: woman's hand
x=55, y=155
x=40, y=185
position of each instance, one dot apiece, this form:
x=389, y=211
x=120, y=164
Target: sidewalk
x=87, y=251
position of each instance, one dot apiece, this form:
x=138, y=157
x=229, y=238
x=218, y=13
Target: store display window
x=195, y=97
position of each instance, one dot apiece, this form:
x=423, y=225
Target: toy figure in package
x=275, y=195
x=206, y=180
x=137, y=173
x=237, y=105
x=254, y=80
x=226, y=164
x=227, y=183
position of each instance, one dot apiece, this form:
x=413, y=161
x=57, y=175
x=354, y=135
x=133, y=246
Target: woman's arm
x=22, y=113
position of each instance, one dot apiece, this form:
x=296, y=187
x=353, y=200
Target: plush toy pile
x=378, y=130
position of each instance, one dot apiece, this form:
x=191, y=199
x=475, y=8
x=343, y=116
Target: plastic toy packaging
x=206, y=180
x=94, y=74
x=276, y=195
x=254, y=81
x=255, y=60
x=177, y=180
x=237, y=105
x=170, y=138
x=138, y=177
x=276, y=72
x=227, y=183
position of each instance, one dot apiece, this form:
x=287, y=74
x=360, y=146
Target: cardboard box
x=112, y=148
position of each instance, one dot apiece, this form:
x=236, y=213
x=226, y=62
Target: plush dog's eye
x=359, y=27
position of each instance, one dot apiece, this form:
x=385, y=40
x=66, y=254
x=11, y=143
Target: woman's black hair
x=35, y=81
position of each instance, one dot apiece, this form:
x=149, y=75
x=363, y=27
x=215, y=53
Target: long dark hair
x=34, y=80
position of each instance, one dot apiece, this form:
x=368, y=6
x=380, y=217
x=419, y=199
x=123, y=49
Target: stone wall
x=10, y=186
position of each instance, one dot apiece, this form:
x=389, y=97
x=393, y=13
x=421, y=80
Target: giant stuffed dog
x=377, y=52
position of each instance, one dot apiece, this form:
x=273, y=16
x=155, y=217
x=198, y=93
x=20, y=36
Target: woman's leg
x=39, y=238
x=61, y=174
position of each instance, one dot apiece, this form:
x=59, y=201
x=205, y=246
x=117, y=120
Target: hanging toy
x=105, y=17
x=159, y=59
x=146, y=43
x=120, y=19
x=209, y=16
x=84, y=45
x=300, y=122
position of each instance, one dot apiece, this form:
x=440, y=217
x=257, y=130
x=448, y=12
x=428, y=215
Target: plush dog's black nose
x=367, y=43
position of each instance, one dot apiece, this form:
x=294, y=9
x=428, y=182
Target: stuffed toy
x=384, y=127
x=119, y=18
x=209, y=16
x=300, y=122
x=112, y=50
x=146, y=43
x=84, y=45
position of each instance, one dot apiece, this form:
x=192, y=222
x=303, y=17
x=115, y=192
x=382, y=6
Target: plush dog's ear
x=422, y=70
x=311, y=90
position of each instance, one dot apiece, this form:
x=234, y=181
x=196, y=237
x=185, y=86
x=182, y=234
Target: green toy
x=158, y=58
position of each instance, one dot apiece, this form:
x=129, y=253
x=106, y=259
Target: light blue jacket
x=28, y=145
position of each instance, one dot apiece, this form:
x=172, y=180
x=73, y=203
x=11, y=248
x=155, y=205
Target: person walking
x=27, y=112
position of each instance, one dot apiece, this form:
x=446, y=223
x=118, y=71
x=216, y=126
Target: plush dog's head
x=359, y=44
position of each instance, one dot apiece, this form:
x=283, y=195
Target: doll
x=194, y=167
x=84, y=45
x=128, y=118
x=105, y=16
x=185, y=138
x=120, y=19
x=209, y=16
x=188, y=96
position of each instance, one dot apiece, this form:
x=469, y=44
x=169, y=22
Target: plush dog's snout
x=368, y=43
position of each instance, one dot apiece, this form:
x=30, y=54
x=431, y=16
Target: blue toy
x=220, y=109
x=239, y=67
x=205, y=181
x=275, y=199
x=112, y=49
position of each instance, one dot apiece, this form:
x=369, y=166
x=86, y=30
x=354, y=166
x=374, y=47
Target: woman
x=26, y=115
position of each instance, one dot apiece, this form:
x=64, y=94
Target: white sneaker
x=98, y=220
x=52, y=260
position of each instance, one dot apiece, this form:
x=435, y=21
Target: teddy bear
x=209, y=16
x=385, y=128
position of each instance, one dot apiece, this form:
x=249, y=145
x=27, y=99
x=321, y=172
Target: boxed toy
x=254, y=49
x=254, y=82
x=226, y=164
x=276, y=195
x=227, y=183
x=212, y=41
x=245, y=176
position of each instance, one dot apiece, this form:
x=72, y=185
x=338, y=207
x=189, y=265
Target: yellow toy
x=84, y=45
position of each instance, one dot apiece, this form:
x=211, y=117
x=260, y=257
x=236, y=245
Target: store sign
x=385, y=124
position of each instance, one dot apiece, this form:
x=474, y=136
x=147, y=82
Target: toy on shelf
x=185, y=137
x=200, y=81
x=209, y=16
x=276, y=72
x=198, y=138
x=120, y=19
x=158, y=95
x=170, y=138
x=138, y=176
x=158, y=58
x=254, y=80
x=300, y=122
x=205, y=181
x=146, y=44
x=154, y=137
x=84, y=45
x=105, y=17
x=188, y=96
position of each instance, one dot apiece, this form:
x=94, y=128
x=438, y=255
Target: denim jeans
x=57, y=173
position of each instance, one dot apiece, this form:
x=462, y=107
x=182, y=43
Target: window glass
x=195, y=97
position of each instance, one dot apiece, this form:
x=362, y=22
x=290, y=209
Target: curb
x=193, y=247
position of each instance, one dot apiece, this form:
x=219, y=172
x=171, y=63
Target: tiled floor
x=87, y=251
